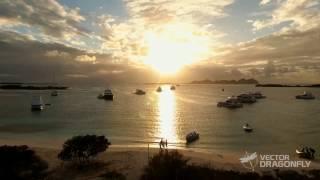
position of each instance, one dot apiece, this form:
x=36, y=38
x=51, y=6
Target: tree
x=165, y=165
x=20, y=162
x=82, y=148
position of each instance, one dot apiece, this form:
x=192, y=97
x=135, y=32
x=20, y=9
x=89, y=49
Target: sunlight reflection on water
x=167, y=114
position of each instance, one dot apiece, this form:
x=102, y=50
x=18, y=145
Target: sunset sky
x=101, y=41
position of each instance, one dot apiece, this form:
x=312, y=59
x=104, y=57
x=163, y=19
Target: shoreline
x=131, y=161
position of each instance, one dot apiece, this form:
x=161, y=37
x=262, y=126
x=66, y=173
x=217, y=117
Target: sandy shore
x=131, y=161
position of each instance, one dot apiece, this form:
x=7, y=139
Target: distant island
x=240, y=81
x=285, y=85
x=21, y=86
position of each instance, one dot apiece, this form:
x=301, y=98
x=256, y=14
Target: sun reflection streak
x=167, y=115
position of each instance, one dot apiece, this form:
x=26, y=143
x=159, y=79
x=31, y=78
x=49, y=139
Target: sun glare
x=173, y=47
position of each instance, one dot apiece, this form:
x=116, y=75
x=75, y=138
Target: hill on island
x=240, y=81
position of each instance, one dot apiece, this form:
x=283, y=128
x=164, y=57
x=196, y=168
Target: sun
x=173, y=47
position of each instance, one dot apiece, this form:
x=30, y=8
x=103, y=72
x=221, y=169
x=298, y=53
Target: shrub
x=173, y=165
x=82, y=148
x=20, y=162
x=165, y=165
x=113, y=175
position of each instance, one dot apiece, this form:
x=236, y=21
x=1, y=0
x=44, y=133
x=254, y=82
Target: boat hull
x=37, y=107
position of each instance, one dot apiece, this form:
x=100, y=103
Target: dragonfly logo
x=249, y=161
x=252, y=160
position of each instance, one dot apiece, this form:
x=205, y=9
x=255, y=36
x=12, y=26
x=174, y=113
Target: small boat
x=246, y=98
x=231, y=103
x=305, y=152
x=257, y=95
x=159, y=89
x=247, y=128
x=173, y=87
x=306, y=95
x=37, y=103
x=139, y=92
x=54, y=93
x=107, y=95
x=192, y=136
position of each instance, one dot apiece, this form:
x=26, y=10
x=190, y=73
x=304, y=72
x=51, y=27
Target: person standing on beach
x=166, y=143
x=160, y=144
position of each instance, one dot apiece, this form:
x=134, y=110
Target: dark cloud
x=26, y=60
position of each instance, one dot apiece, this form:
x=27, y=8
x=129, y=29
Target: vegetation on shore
x=22, y=163
x=240, y=81
x=285, y=85
x=172, y=165
x=29, y=87
x=81, y=149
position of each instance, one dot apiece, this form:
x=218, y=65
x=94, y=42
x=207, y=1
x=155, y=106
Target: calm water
x=280, y=122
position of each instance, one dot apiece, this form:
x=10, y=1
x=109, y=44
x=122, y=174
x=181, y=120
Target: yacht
x=257, y=95
x=54, y=93
x=305, y=95
x=159, y=89
x=107, y=95
x=246, y=98
x=37, y=103
x=305, y=152
x=173, y=87
x=247, y=128
x=139, y=92
x=192, y=136
x=231, y=102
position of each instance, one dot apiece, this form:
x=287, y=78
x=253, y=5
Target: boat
x=54, y=93
x=231, y=102
x=107, y=95
x=37, y=103
x=159, y=89
x=173, y=87
x=305, y=152
x=306, y=95
x=247, y=128
x=192, y=136
x=139, y=92
x=257, y=95
x=246, y=98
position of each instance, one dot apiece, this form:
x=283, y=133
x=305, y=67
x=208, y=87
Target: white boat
x=159, y=89
x=306, y=95
x=173, y=87
x=37, y=103
x=257, y=95
x=54, y=93
x=246, y=98
x=305, y=152
x=139, y=92
x=247, y=128
x=231, y=103
x=107, y=95
x=192, y=136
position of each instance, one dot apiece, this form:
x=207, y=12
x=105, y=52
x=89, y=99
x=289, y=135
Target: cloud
x=47, y=15
x=299, y=14
x=24, y=60
x=56, y=53
x=293, y=55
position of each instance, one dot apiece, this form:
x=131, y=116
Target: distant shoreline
x=31, y=87
x=240, y=81
x=284, y=85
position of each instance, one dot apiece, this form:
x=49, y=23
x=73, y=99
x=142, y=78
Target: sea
x=280, y=122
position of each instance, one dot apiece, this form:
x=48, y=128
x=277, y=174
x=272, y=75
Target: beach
x=131, y=161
